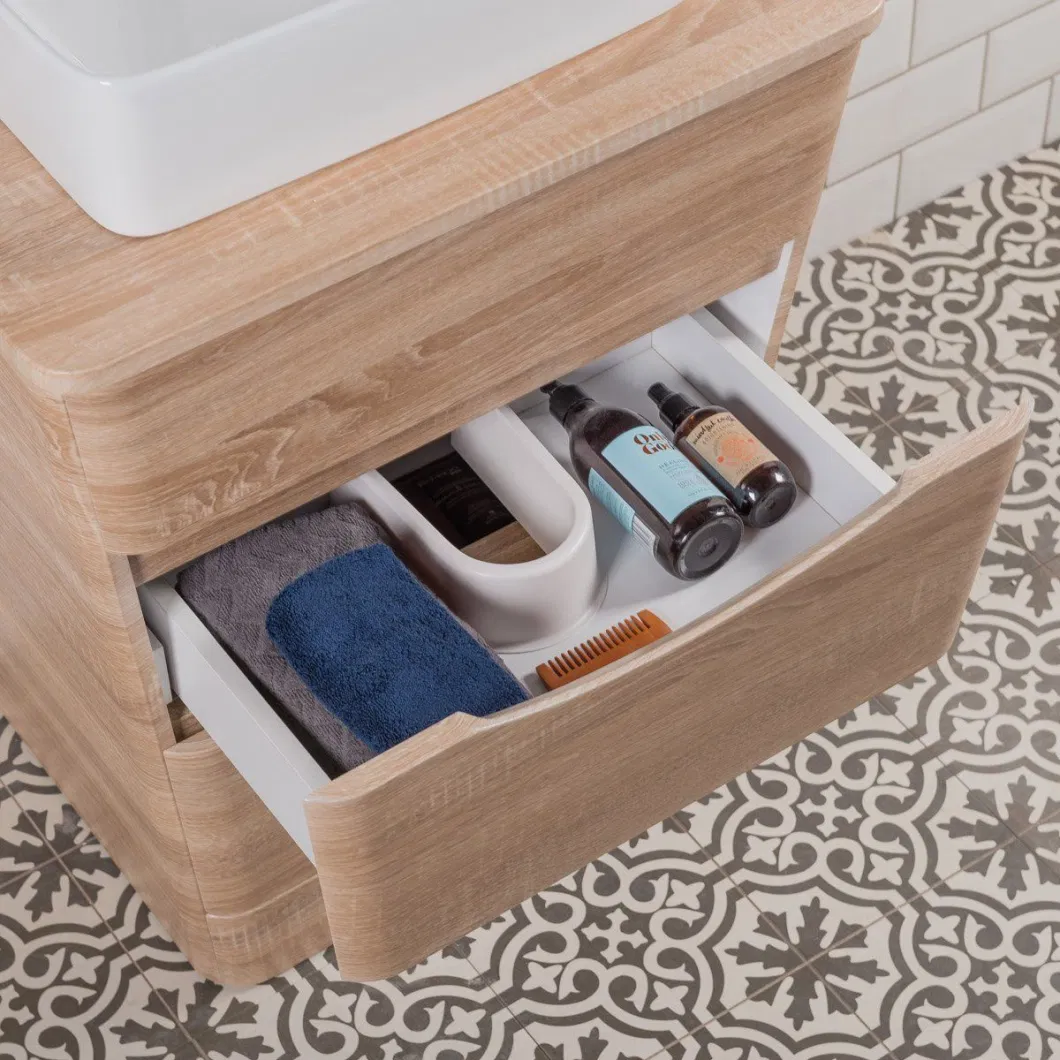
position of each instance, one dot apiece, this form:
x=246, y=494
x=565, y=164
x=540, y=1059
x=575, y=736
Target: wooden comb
x=615, y=643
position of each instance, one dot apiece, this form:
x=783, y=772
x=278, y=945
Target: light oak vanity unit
x=162, y=396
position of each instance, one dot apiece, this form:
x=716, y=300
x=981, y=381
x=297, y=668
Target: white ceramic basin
x=155, y=113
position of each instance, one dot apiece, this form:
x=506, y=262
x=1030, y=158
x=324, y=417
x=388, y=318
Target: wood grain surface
x=456, y=825
x=256, y=945
x=239, y=430
x=81, y=307
x=261, y=894
x=77, y=679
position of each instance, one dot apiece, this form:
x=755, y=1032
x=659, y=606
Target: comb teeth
x=607, y=647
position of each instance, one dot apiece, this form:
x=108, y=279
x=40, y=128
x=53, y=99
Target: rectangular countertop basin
x=153, y=114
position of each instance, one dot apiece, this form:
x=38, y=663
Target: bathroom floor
x=890, y=887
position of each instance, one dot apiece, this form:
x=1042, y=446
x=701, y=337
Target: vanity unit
x=162, y=396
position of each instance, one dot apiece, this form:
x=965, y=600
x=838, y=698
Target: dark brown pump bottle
x=647, y=485
x=759, y=486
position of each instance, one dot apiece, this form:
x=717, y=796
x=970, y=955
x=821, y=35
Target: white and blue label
x=665, y=478
x=602, y=490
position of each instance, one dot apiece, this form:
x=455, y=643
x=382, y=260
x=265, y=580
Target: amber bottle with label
x=760, y=487
x=654, y=491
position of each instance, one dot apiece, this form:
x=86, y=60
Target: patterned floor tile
x=1012, y=216
x=67, y=988
x=1007, y=223
x=890, y=451
x=798, y=1018
x=739, y=1035
x=948, y=226
x=839, y=830
x=1029, y=512
x=991, y=707
x=440, y=1008
x=859, y=423
x=1007, y=567
x=22, y=847
x=976, y=975
x=631, y=953
x=899, y=329
x=44, y=804
x=821, y=389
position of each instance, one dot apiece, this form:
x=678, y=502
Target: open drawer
x=862, y=584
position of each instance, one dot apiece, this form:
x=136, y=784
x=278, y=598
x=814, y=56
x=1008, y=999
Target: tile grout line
x=177, y=1022
x=955, y=771
x=939, y=132
x=44, y=839
x=5, y=787
x=538, y=1046
x=880, y=422
x=19, y=878
x=780, y=937
x=863, y=929
x=945, y=51
x=897, y=185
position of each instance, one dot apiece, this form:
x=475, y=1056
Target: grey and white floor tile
x=631, y=953
x=39, y=797
x=67, y=987
x=844, y=827
x=991, y=709
x=1030, y=512
x=1011, y=217
x=22, y=846
x=951, y=291
x=897, y=329
x=439, y=1008
x=978, y=974
x=860, y=424
x=802, y=1020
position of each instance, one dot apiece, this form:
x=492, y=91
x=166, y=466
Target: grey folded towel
x=232, y=588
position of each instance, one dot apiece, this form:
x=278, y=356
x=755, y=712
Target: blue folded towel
x=381, y=652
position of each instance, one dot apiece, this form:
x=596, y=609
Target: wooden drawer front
x=243, y=429
x=861, y=585
x=418, y=847
x=261, y=894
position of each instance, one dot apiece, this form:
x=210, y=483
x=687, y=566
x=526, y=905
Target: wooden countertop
x=82, y=309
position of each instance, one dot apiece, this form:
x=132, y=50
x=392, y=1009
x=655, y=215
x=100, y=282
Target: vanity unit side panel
x=77, y=678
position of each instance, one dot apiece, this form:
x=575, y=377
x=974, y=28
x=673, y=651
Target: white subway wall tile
x=921, y=101
x=885, y=54
x=951, y=158
x=1022, y=53
x=855, y=206
x=943, y=24
x=1052, y=133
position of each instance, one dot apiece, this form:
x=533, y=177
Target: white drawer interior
x=696, y=354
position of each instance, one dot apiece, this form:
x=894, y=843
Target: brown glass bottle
x=760, y=487
x=654, y=491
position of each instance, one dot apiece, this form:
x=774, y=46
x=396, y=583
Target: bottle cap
x=563, y=398
x=673, y=407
